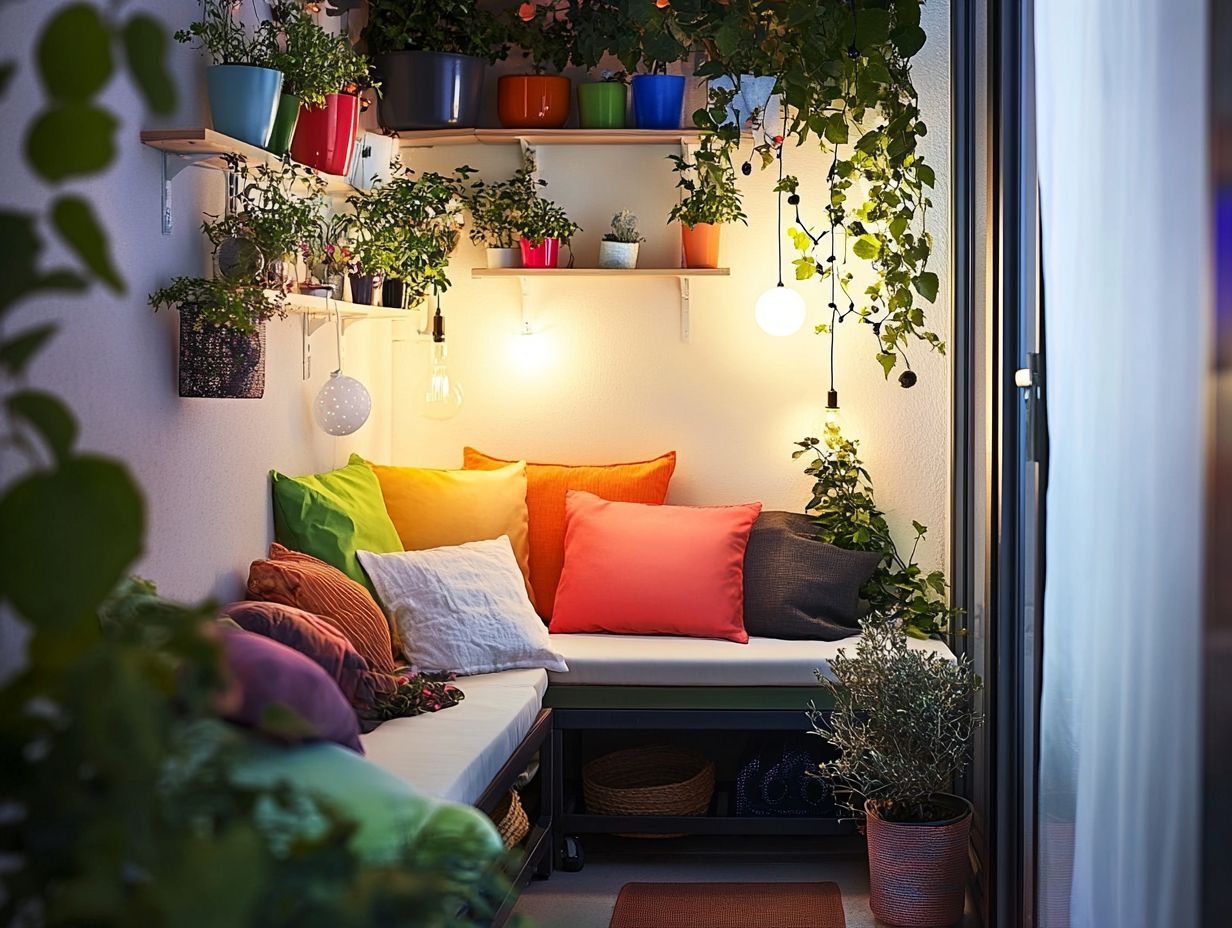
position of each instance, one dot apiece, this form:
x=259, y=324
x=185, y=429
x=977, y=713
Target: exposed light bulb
x=342, y=406
x=832, y=425
x=780, y=311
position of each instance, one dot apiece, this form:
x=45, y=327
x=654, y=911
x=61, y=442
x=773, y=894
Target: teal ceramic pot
x=243, y=101
x=284, y=124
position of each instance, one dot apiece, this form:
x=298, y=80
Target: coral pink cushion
x=639, y=569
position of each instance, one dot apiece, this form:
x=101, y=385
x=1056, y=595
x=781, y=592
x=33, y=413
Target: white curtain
x=1121, y=100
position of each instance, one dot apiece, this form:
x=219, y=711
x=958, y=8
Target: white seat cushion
x=654, y=660
x=454, y=754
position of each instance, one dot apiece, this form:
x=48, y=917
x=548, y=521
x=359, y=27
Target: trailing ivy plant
x=120, y=788
x=846, y=516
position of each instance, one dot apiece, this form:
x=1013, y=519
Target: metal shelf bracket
x=173, y=164
x=686, y=329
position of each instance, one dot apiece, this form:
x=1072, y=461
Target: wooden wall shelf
x=430, y=137
x=206, y=149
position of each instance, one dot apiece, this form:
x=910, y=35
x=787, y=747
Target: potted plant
x=430, y=56
x=619, y=247
x=602, y=103
x=327, y=258
x=242, y=84
x=494, y=209
x=710, y=200
x=652, y=37
x=539, y=223
x=318, y=114
x=276, y=210
x=222, y=335
x=903, y=720
x=538, y=100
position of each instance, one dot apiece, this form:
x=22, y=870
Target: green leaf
x=70, y=141
x=88, y=506
x=74, y=220
x=16, y=353
x=836, y=129
x=926, y=174
x=867, y=247
x=145, y=47
x=908, y=40
x=20, y=247
x=74, y=54
x=920, y=530
x=805, y=268
x=926, y=285
x=887, y=361
x=47, y=416
x=872, y=27
x=728, y=37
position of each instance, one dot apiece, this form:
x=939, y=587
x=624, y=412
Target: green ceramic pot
x=284, y=124
x=601, y=105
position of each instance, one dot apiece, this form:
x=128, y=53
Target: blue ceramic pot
x=658, y=100
x=243, y=101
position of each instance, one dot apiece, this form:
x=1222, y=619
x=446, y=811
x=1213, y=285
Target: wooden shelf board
x=201, y=141
x=642, y=272
x=304, y=305
x=428, y=137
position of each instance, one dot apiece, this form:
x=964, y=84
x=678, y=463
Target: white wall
x=612, y=381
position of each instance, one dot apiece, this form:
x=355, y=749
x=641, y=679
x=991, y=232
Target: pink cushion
x=639, y=569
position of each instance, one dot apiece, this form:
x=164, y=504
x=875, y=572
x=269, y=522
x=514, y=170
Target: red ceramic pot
x=545, y=254
x=325, y=135
x=533, y=101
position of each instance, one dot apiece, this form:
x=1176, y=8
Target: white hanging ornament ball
x=342, y=405
x=780, y=311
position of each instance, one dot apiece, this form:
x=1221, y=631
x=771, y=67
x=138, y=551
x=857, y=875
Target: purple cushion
x=319, y=640
x=284, y=693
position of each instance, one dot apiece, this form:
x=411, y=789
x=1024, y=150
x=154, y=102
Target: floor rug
x=729, y=905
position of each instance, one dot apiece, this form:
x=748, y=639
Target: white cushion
x=659, y=660
x=454, y=754
x=462, y=608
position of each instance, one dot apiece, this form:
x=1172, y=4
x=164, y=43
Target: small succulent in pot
x=620, y=246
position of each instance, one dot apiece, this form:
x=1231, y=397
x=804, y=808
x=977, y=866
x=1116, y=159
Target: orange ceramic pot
x=701, y=244
x=533, y=101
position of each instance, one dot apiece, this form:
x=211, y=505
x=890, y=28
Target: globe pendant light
x=343, y=405
x=780, y=310
x=439, y=396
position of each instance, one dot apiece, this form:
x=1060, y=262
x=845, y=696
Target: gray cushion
x=798, y=587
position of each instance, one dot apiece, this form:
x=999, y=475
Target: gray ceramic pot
x=429, y=90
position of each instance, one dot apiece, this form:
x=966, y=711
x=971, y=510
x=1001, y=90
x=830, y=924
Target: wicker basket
x=511, y=820
x=655, y=780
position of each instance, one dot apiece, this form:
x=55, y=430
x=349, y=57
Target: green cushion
x=390, y=816
x=333, y=515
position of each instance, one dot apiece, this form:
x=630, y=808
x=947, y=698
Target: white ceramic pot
x=504, y=257
x=618, y=254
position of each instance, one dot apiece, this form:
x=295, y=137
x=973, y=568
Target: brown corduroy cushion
x=798, y=587
x=302, y=581
x=729, y=905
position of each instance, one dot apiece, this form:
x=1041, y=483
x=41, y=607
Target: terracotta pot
x=701, y=244
x=533, y=101
x=918, y=872
x=325, y=135
x=545, y=254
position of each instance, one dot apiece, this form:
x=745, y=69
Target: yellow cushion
x=434, y=508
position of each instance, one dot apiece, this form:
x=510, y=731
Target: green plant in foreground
x=902, y=721
x=846, y=516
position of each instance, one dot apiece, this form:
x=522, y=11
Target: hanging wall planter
x=658, y=100
x=918, y=870
x=429, y=90
x=325, y=135
x=219, y=361
x=243, y=101
x=601, y=105
x=701, y=244
x=543, y=255
x=284, y=124
x=533, y=101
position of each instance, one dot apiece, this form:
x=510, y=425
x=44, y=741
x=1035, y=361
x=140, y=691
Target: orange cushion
x=635, y=569
x=433, y=508
x=546, y=486
x=300, y=580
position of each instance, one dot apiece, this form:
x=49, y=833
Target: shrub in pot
x=278, y=209
x=318, y=114
x=602, y=103
x=494, y=208
x=710, y=200
x=651, y=39
x=537, y=100
x=222, y=335
x=619, y=247
x=540, y=225
x=430, y=56
x=242, y=83
x=327, y=257
x=903, y=720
